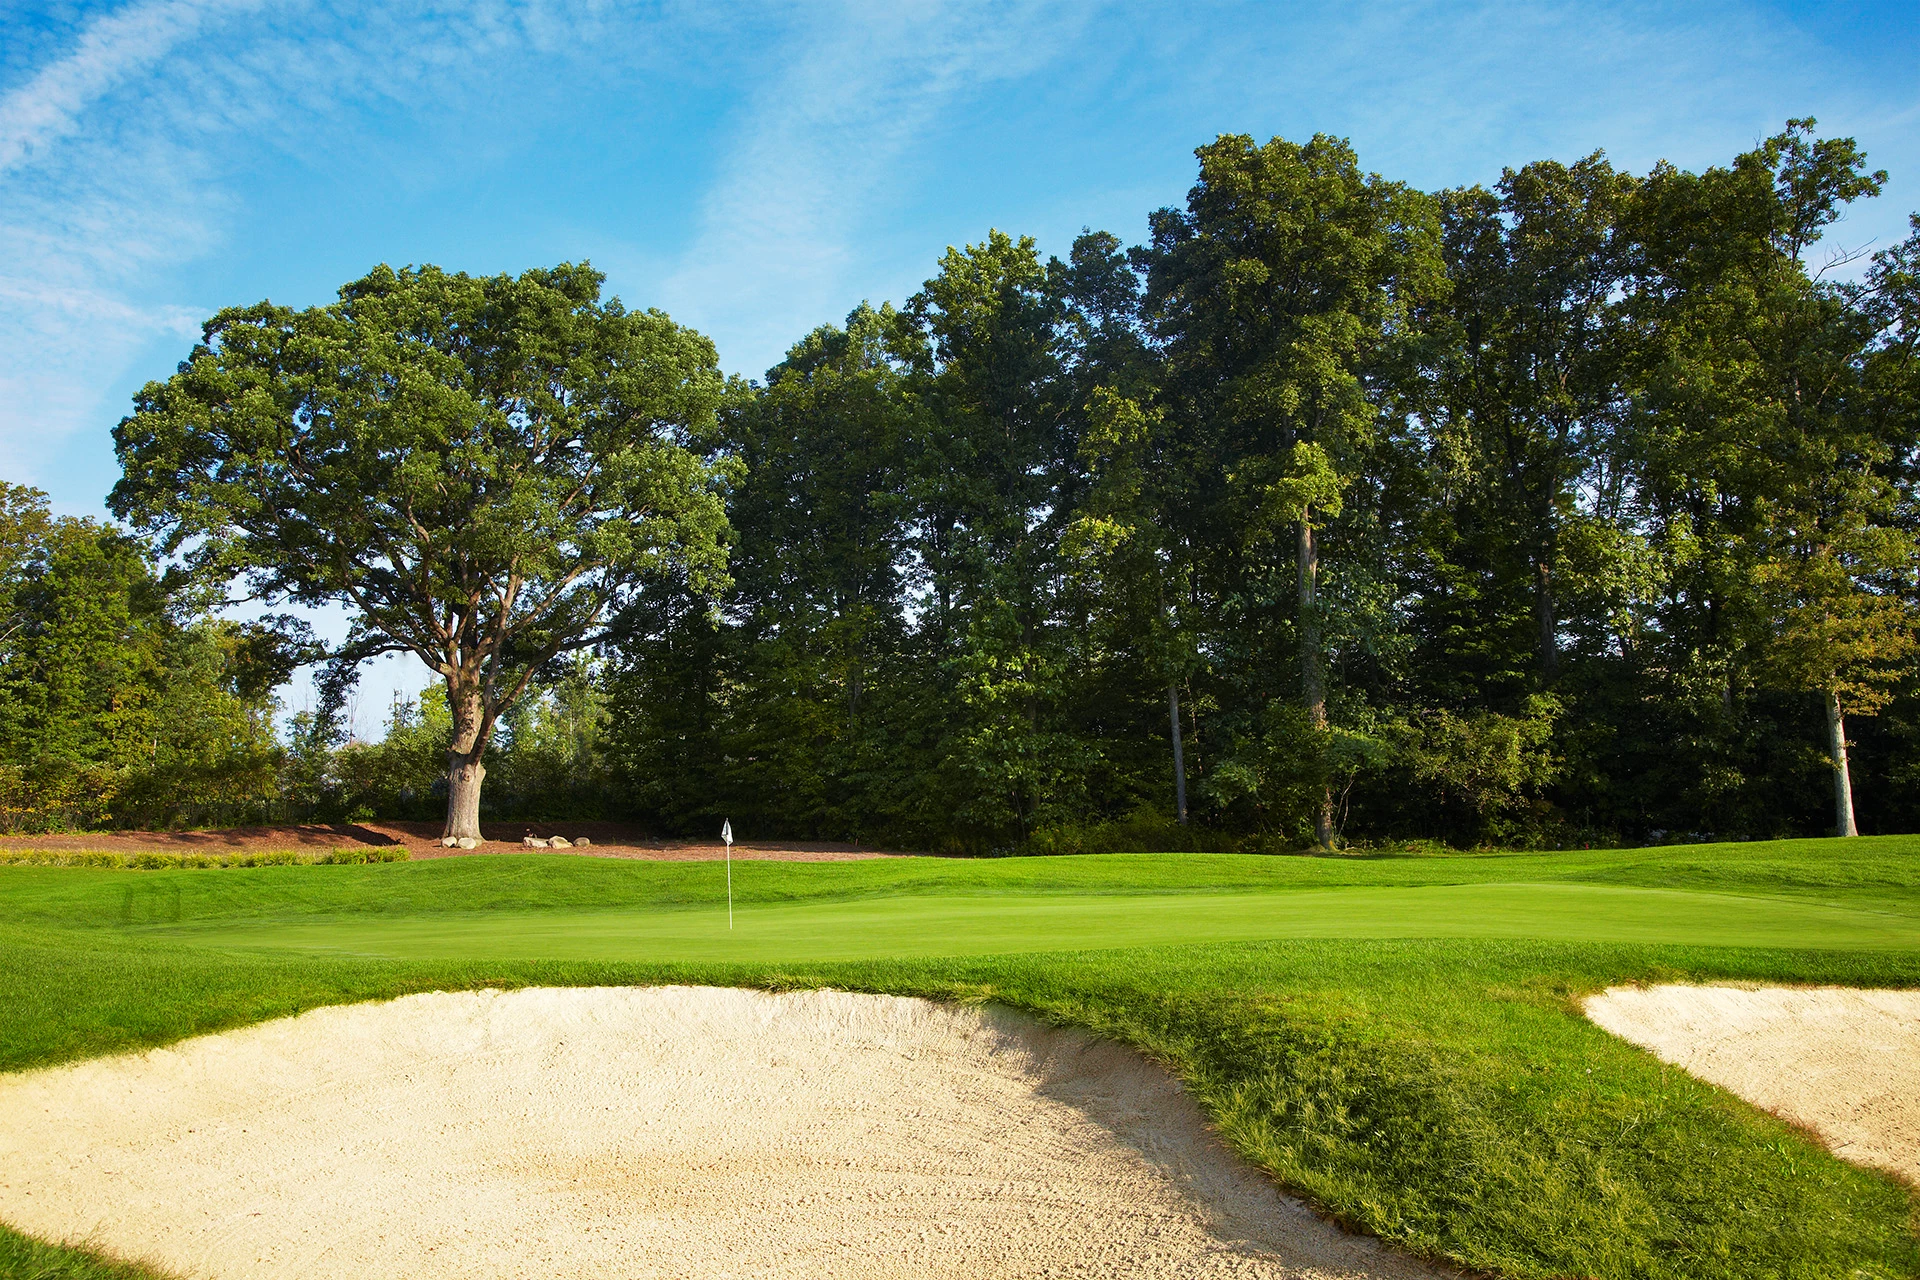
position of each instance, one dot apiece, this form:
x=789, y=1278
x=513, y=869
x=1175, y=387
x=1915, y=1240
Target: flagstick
x=726, y=834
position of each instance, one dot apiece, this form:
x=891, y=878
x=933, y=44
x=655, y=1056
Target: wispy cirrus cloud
x=818, y=155
x=128, y=156
x=69, y=241
x=49, y=106
x=130, y=163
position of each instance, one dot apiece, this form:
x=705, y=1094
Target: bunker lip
x=668, y=1131
x=1841, y=1062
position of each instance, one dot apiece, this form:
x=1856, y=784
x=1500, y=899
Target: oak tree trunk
x=465, y=771
x=1842, y=782
x=464, y=774
x=1313, y=679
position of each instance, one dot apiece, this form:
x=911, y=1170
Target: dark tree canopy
x=1579, y=507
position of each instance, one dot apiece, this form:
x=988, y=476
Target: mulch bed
x=422, y=840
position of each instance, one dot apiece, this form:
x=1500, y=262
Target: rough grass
x=1441, y=1093
x=22, y=1258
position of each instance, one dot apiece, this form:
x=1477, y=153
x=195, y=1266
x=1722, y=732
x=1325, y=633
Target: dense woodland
x=1573, y=510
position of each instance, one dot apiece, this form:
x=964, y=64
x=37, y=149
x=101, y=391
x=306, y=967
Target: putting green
x=910, y=926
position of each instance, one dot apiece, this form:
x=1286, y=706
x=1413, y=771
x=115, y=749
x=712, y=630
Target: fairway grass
x=904, y=927
x=1394, y=1038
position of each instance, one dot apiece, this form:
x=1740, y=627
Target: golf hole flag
x=726, y=834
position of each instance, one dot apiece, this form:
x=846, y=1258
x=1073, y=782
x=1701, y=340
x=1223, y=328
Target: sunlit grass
x=1392, y=1037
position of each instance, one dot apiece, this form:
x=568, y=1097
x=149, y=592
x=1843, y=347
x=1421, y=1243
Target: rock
x=582, y=843
x=448, y=842
x=559, y=842
x=534, y=842
x=468, y=842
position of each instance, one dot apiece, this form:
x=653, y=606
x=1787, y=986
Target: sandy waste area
x=1844, y=1063
x=637, y=1132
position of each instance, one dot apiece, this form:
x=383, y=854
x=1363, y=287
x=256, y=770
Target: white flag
x=726, y=833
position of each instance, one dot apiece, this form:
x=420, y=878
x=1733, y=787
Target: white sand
x=1842, y=1062
x=629, y=1132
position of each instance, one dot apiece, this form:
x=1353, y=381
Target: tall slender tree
x=1531, y=393
x=1758, y=458
x=1278, y=293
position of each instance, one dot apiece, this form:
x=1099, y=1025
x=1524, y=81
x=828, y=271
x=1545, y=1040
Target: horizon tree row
x=1569, y=509
x=1574, y=509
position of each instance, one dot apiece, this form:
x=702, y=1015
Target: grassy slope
x=1440, y=1093
x=1879, y=871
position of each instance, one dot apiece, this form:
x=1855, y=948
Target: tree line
x=1571, y=510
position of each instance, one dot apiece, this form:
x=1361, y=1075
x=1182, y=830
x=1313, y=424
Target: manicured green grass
x=1880, y=872
x=1393, y=1037
x=905, y=926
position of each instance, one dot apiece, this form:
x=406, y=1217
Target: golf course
x=1005, y=641
x=1394, y=1038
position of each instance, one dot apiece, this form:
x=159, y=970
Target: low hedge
x=175, y=861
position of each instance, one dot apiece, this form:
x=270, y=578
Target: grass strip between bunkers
x=1394, y=1038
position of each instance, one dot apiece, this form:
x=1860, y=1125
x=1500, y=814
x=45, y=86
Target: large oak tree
x=486, y=470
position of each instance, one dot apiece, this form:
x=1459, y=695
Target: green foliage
x=354, y=856
x=1543, y=513
x=549, y=761
x=1007, y=770
x=1140, y=832
x=1539, y=514
x=403, y=774
x=113, y=707
x=1494, y=767
x=1308, y=487
x=486, y=471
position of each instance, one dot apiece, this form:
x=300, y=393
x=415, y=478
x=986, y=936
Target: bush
x=1139, y=833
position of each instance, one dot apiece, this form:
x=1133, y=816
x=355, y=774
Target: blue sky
x=758, y=169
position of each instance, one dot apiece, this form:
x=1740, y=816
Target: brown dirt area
x=422, y=840
x=651, y=1132
x=1842, y=1062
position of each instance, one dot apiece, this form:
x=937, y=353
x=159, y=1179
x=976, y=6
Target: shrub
x=1138, y=833
x=195, y=861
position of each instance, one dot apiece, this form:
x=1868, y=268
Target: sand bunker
x=1842, y=1062
x=648, y=1132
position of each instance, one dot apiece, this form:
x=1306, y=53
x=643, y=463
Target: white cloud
x=127, y=158
x=69, y=335
x=817, y=146
x=49, y=106
x=82, y=215
x=125, y=162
